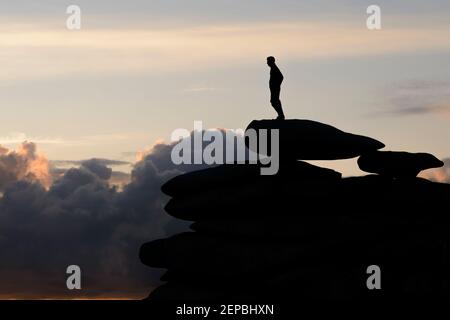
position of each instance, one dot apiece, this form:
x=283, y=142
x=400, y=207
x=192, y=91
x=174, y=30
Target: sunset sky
x=137, y=70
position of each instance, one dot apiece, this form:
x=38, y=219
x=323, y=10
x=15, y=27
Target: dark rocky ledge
x=307, y=233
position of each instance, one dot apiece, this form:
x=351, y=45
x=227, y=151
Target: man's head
x=270, y=61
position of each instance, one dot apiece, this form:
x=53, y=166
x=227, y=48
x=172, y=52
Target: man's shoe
x=280, y=117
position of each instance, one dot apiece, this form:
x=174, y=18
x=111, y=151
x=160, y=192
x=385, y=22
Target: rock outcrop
x=398, y=164
x=306, y=232
x=311, y=140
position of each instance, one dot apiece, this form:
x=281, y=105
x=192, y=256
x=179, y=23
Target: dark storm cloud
x=106, y=162
x=99, y=169
x=101, y=166
x=119, y=178
x=82, y=219
x=161, y=153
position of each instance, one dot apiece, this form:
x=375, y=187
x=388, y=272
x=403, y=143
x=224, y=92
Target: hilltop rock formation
x=398, y=164
x=229, y=175
x=311, y=140
x=306, y=232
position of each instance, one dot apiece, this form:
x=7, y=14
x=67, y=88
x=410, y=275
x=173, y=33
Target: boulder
x=311, y=140
x=356, y=196
x=231, y=175
x=306, y=232
x=397, y=164
x=225, y=256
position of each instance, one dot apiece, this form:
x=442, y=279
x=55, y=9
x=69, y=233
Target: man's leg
x=276, y=103
x=280, y=110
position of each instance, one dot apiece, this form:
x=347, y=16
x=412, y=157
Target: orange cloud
x=24, y=164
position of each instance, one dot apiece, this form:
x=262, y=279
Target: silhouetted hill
x=305, y=233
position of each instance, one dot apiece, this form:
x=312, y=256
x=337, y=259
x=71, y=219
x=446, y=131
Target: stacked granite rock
x=306, y=232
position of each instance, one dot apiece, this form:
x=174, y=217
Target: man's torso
x=276, y=77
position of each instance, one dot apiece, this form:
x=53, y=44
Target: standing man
x=276, y=78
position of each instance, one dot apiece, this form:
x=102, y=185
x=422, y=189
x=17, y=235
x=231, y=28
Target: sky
x=138, y=70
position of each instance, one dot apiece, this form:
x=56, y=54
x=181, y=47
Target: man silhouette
x=276, y=78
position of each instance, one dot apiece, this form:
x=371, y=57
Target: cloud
x=200, y=89
x=32, y=52
x=439, y=174
x=19, y=137
x=420, y=97
x=83, y=219
x=15, y=138
x=140, y=11
x=118, y=178
x=160, y=153
x=106, y=162
x=23, y=164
